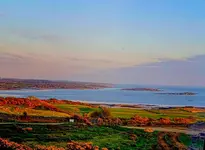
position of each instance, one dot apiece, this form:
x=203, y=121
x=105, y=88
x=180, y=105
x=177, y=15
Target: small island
x=183, y=93
x=142, y=89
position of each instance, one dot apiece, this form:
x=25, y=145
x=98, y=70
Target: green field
x=80, y=109
x=111, y=137
x=130, y=112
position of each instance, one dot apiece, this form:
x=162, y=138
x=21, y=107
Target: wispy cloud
x=43, y=37
x=29, y=65
x=166, y=72
x=6, y=57
x=38, y=36
x=105, y=61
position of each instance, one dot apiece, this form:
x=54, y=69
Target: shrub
x=82, y=146
x=103, y=112
x=137, y=120
x=7, y=145
x=164, y=121
x=40, y=147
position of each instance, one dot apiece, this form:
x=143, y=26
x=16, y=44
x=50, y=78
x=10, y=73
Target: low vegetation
x=73, y=135
x=94, y=127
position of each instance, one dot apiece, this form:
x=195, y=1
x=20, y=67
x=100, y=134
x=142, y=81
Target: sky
x=82, y=40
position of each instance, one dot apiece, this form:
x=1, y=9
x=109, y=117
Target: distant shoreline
x=116, y=104
x=18, y=84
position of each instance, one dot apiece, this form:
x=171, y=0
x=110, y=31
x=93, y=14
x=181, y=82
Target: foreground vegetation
x=114, y=137
x=94, y=128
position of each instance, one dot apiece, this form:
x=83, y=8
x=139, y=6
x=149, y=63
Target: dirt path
x=161, y=129
x=174, y=139
x=168, y=129
x=162, y=143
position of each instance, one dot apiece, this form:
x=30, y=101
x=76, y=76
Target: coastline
x=134, y=105
x=109, y=97
x=117, y=104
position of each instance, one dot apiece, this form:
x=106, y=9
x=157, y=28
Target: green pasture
x=130, y=112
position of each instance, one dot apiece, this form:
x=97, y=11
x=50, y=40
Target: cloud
x=45, y=37
x=31, y=65
x=12, y=58
x=190, y=71
x=104, y=61
x=37, y=36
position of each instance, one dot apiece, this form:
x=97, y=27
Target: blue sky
x=79, y=37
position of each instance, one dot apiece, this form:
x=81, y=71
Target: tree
x=25, y=114
x=102, y=112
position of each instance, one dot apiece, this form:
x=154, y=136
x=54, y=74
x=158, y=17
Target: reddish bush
x=100, y=121
x=28, y=129
x=7, y=145
x=183, y=121
x=137, y=120
x=164, y=121
x=27, y=102
x=82, y=146
x=40, y=147
x=85, y=120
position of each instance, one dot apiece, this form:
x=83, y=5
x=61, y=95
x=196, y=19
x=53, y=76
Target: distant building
x=71, y=120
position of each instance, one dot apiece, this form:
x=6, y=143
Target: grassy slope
x=81, y=109
x=110, y=137
x=31, y=112
x=128, y=113
x=116, y=112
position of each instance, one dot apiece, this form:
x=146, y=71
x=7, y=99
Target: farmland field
x=130, y=112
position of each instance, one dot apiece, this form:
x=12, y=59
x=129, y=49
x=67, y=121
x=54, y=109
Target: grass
x=113, y=138
x=186, y=140
x=128, y=112
x=31, y=112
x=168, y=140
x=80, y=109
x=115, y=112
x=110, y=137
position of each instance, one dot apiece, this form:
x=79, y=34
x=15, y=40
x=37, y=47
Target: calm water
x=116, y=95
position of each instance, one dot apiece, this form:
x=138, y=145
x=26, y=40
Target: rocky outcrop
x=142, y=89
x=183, y=93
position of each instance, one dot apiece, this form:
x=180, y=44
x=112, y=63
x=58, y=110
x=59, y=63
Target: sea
x=116, y=95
